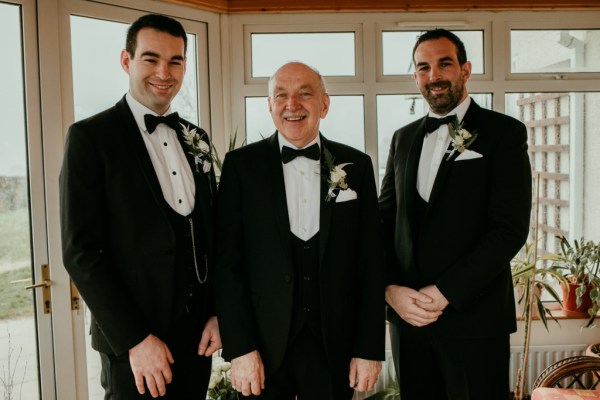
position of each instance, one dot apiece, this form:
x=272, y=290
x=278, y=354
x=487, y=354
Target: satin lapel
x=277, y=186
x=326, y=206
x=133, y=139
x=447, y=164
x=411, y=168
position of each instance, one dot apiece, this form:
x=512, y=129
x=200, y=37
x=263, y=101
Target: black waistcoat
x=307, y=309
x=191, y=265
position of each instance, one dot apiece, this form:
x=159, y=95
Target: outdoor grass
x=15, y=301
x=14, y=236
x=15, y=255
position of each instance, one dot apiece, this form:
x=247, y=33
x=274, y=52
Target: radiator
x=540, y=357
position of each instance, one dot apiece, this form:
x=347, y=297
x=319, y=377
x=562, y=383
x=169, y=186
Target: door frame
x=57, y=105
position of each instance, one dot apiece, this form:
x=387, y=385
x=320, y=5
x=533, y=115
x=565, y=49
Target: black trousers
x=191, y=372
x=305, y=373
x=440, y=368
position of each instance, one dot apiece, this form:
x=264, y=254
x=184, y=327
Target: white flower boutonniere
x=460, y=138
x=337, y=175
x=198, y=148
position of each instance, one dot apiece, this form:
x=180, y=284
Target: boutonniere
x=198, y=148
x=337, y=175
x=460, y=138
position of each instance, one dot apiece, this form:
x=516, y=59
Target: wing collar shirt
x=434, y=149
x=168, y=158
x=302, y=178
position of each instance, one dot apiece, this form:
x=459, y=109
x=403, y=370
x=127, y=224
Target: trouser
x=442, y=368
x=305, y=373
x=191, y=372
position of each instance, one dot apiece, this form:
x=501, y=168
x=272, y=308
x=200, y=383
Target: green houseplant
x=580, y=265
x=530, y=280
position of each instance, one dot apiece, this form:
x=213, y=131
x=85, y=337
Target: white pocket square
x=345, y=195
x=468, y=155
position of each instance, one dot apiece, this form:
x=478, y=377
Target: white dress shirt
x=434, y=149
x=302, y=178
x=168, y=158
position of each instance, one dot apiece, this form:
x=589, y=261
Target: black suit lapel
x=277, y=185
x=412, y=167
x=448, y=163
x=133, y=139
x=326, y=206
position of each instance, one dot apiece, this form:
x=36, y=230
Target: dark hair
x=461, y=53
x=157, y=22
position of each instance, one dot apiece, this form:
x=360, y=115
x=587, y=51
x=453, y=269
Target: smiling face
x=156, y=69
x=439, y=76
x=297, y=102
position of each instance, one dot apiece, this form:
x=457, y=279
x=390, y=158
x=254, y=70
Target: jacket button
x=287, y=278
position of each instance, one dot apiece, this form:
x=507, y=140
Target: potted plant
x=580, y=265
x=530, y=281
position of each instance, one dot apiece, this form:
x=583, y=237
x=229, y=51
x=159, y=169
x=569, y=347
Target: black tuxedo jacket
x=477, y=219
x=118, y=243
x=254, y=282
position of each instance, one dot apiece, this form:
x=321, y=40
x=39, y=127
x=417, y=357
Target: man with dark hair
x=455, y=204
x=136, y=197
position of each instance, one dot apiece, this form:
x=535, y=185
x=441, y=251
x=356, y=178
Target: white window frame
x=496, y=79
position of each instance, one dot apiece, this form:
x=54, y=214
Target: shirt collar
x=139, y=110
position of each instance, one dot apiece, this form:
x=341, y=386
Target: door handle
x=46, y=283
x=45, y=286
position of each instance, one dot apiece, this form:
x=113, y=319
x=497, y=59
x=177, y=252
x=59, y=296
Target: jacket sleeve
x=83, y=215
x=233, y=302
x=370, y=321
x=506, y=224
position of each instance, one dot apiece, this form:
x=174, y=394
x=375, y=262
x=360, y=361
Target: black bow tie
x=431, y=123
x=152, y=121
x=288, y=154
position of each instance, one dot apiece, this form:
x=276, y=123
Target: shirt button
x=287, y=278
x=165, y=143
x=180, y=201
x=174, y=173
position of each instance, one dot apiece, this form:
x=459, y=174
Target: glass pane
x=394, y=111
x=18, y=343
x=547, y=51
x=398, y=47
x=96, y=50
x=330, y=53
x=563, y=133
x=345, y=122
x=563, y=148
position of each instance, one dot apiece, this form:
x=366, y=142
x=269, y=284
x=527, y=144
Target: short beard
x=445, y=103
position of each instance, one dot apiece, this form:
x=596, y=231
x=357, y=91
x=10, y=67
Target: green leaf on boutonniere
x=460, y=138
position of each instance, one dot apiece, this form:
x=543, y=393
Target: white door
x=91, y=37
x=26, y=351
